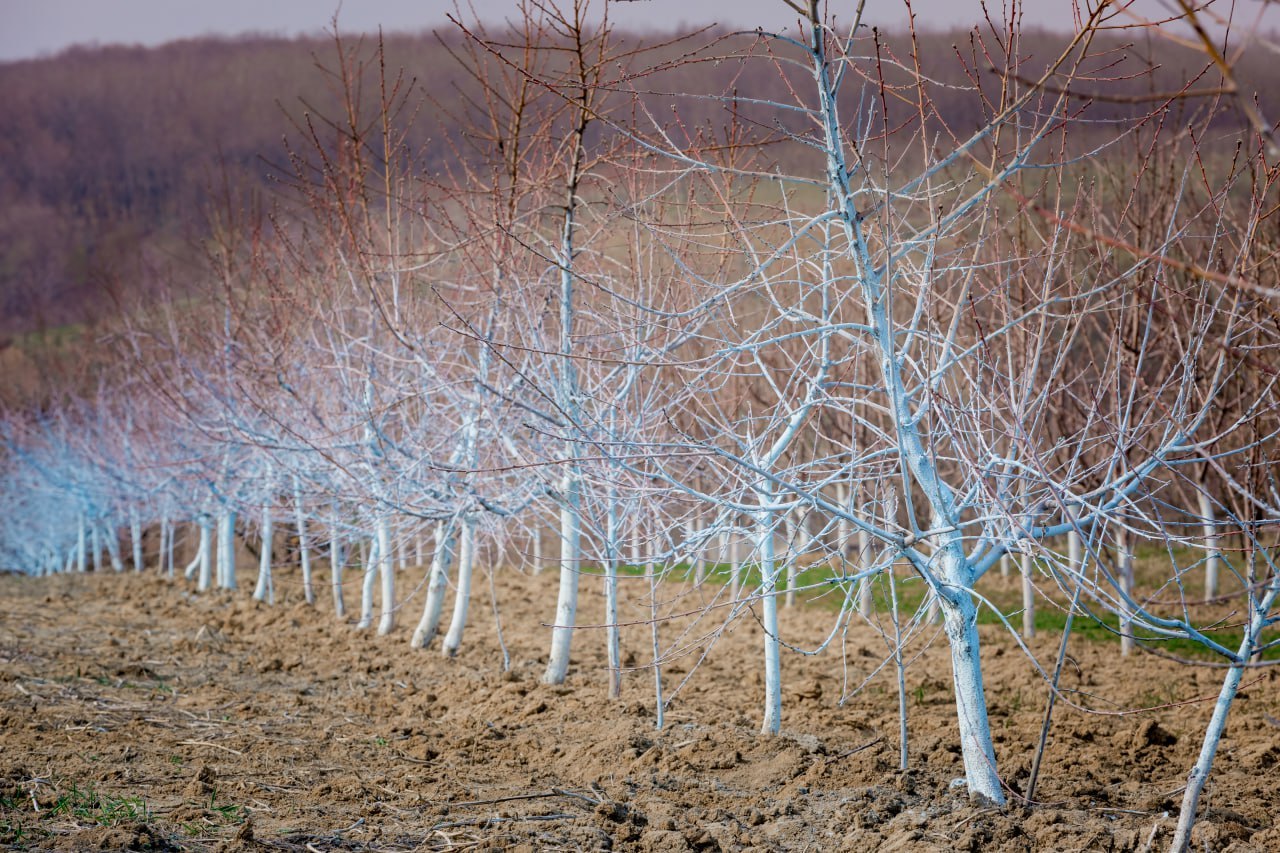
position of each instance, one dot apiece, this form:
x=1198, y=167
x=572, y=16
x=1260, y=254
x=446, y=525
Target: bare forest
x=533, y=435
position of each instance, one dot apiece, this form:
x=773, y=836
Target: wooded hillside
x=111, y=158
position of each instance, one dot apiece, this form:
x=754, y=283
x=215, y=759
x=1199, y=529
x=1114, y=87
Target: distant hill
x=110, y=157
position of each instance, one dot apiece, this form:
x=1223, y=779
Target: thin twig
x=214, y=745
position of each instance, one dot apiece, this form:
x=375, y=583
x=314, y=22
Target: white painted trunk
x=1259, y=613
x=793, y=554
x=1204, y=762
x=135, y=538
x=82, y=546
x=367, y=587
x=265, y=589
x=1028, y=597
x=189, y=573
x=613, y=641
x=567, y=601
x=1213, y=554
x=765, y=521
x=660, y=704
x=304, y=543
x=227, y=549
x=337, y=562
x=164, y=559
x=537, y=550
x=97, y=549
x=462, y=595
x=843, y=528
x=865, y=598
x=113, y=547
x=1124, y=555
x=1075, y=547
x=204, y=556
x=387, y=571
x=437, y=581
x=960, y=620
x=735, y=571
x=699, y=554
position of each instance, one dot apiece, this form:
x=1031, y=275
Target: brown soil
x=245, y=727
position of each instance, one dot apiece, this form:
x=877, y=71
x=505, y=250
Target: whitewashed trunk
x=1259, y=615
x=538, y=560
x=792, y=555
x=735, y=570
x=304, y=543
x=113, y=547
x=227, y=549
x=651, y=573
x=437, y=582
x=387, y=571
x=865, y=597
x=164, y=560
x=462, y=595
x=204, y=556
x=699, y=553
x=765, y=521
x=82, y=546
x=567, y=600
x=1213, y=554
x=1075, y=547
x=843, y=528
x=337, y=562
x=135, y=538
x=960, y=621
x=1028, y=597
x=367, y=587
x=265, y=589
x=1124, y=555
x=613, y=643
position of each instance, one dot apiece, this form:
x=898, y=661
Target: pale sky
x=31, y=28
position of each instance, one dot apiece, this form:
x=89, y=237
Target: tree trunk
x=1124, y=555
x=437, y=581
x=337, y=562
x=1213, y=555
x=960, y=620
x=227, y=549
x=1027, y=565
x=651, y=573
x=204, y=557
x=865, y=598
x=567, y=601
x=765, y=521
x=462, y=595
x=265, y=590
x=387, y=571
x=82, y=545
x=135, y=538
x=613, y=642
x=370, y=580
x=304, y=544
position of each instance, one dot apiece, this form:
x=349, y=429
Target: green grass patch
x=818, y=585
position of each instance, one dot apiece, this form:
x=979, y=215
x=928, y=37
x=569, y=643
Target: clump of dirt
x=245, y=727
